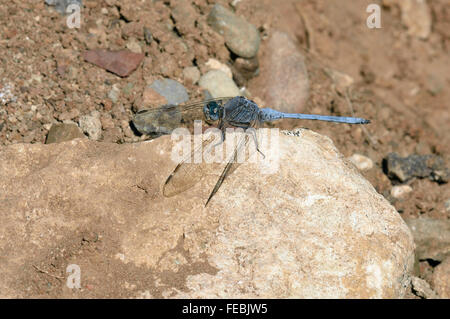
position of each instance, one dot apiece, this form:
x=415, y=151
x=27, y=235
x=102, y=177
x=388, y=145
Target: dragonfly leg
x=255, y=139
x=222, y=133
x=252, y=126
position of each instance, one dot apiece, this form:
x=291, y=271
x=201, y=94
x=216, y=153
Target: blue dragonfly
x=223, y=113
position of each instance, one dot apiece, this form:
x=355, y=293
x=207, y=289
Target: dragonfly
x=223, y=113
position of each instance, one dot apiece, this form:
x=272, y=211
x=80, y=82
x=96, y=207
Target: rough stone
x=91, y=125
x=405, y=168
x=213, y=64
x=361, y=162
x=134, y=46
x=62, y=132
x=432, y=237
x=173, y=91
x=122, y=62
x=184, y=15
x=399, y=191
x=416, y=16
x=313, y=229
x=219, y=84
x=245, y=69
x=61, y=5
x=422, y=289
x=241, y=37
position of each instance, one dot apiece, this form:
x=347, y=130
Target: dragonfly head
x=212, y=111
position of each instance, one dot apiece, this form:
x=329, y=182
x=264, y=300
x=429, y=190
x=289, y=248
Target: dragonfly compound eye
x=211, y=111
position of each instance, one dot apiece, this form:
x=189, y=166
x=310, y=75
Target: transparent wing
x=231, y=166
x=238, y=155
x=188, y=173
x=164, y=119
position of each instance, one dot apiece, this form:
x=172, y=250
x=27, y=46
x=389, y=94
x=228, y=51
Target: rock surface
x=62, y=132
x=314, y=229
x=285, y=77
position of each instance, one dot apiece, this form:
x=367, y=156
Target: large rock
x=313, y=229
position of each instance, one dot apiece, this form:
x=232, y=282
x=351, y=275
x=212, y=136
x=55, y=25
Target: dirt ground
x=400, y=82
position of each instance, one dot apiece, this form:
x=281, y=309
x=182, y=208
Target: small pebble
x=61, y=5
x=219, y=84
x=447, y=205
x=241, y=37
x=173, y=91
x=91, y=125
x=422, y=166
x=113, y=94
x=62, y=132
x=400, y=191
x=361, y=162
x=148, y=36
x=133, y=46
x=416, y=16
x=122, y=62
x=213, y=64
x=6, y=93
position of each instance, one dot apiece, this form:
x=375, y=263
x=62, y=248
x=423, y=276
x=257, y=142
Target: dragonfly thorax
x=213, y=111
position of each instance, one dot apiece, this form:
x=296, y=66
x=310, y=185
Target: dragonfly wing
x=164, y=119
x=187, y=173
x=233, y=161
